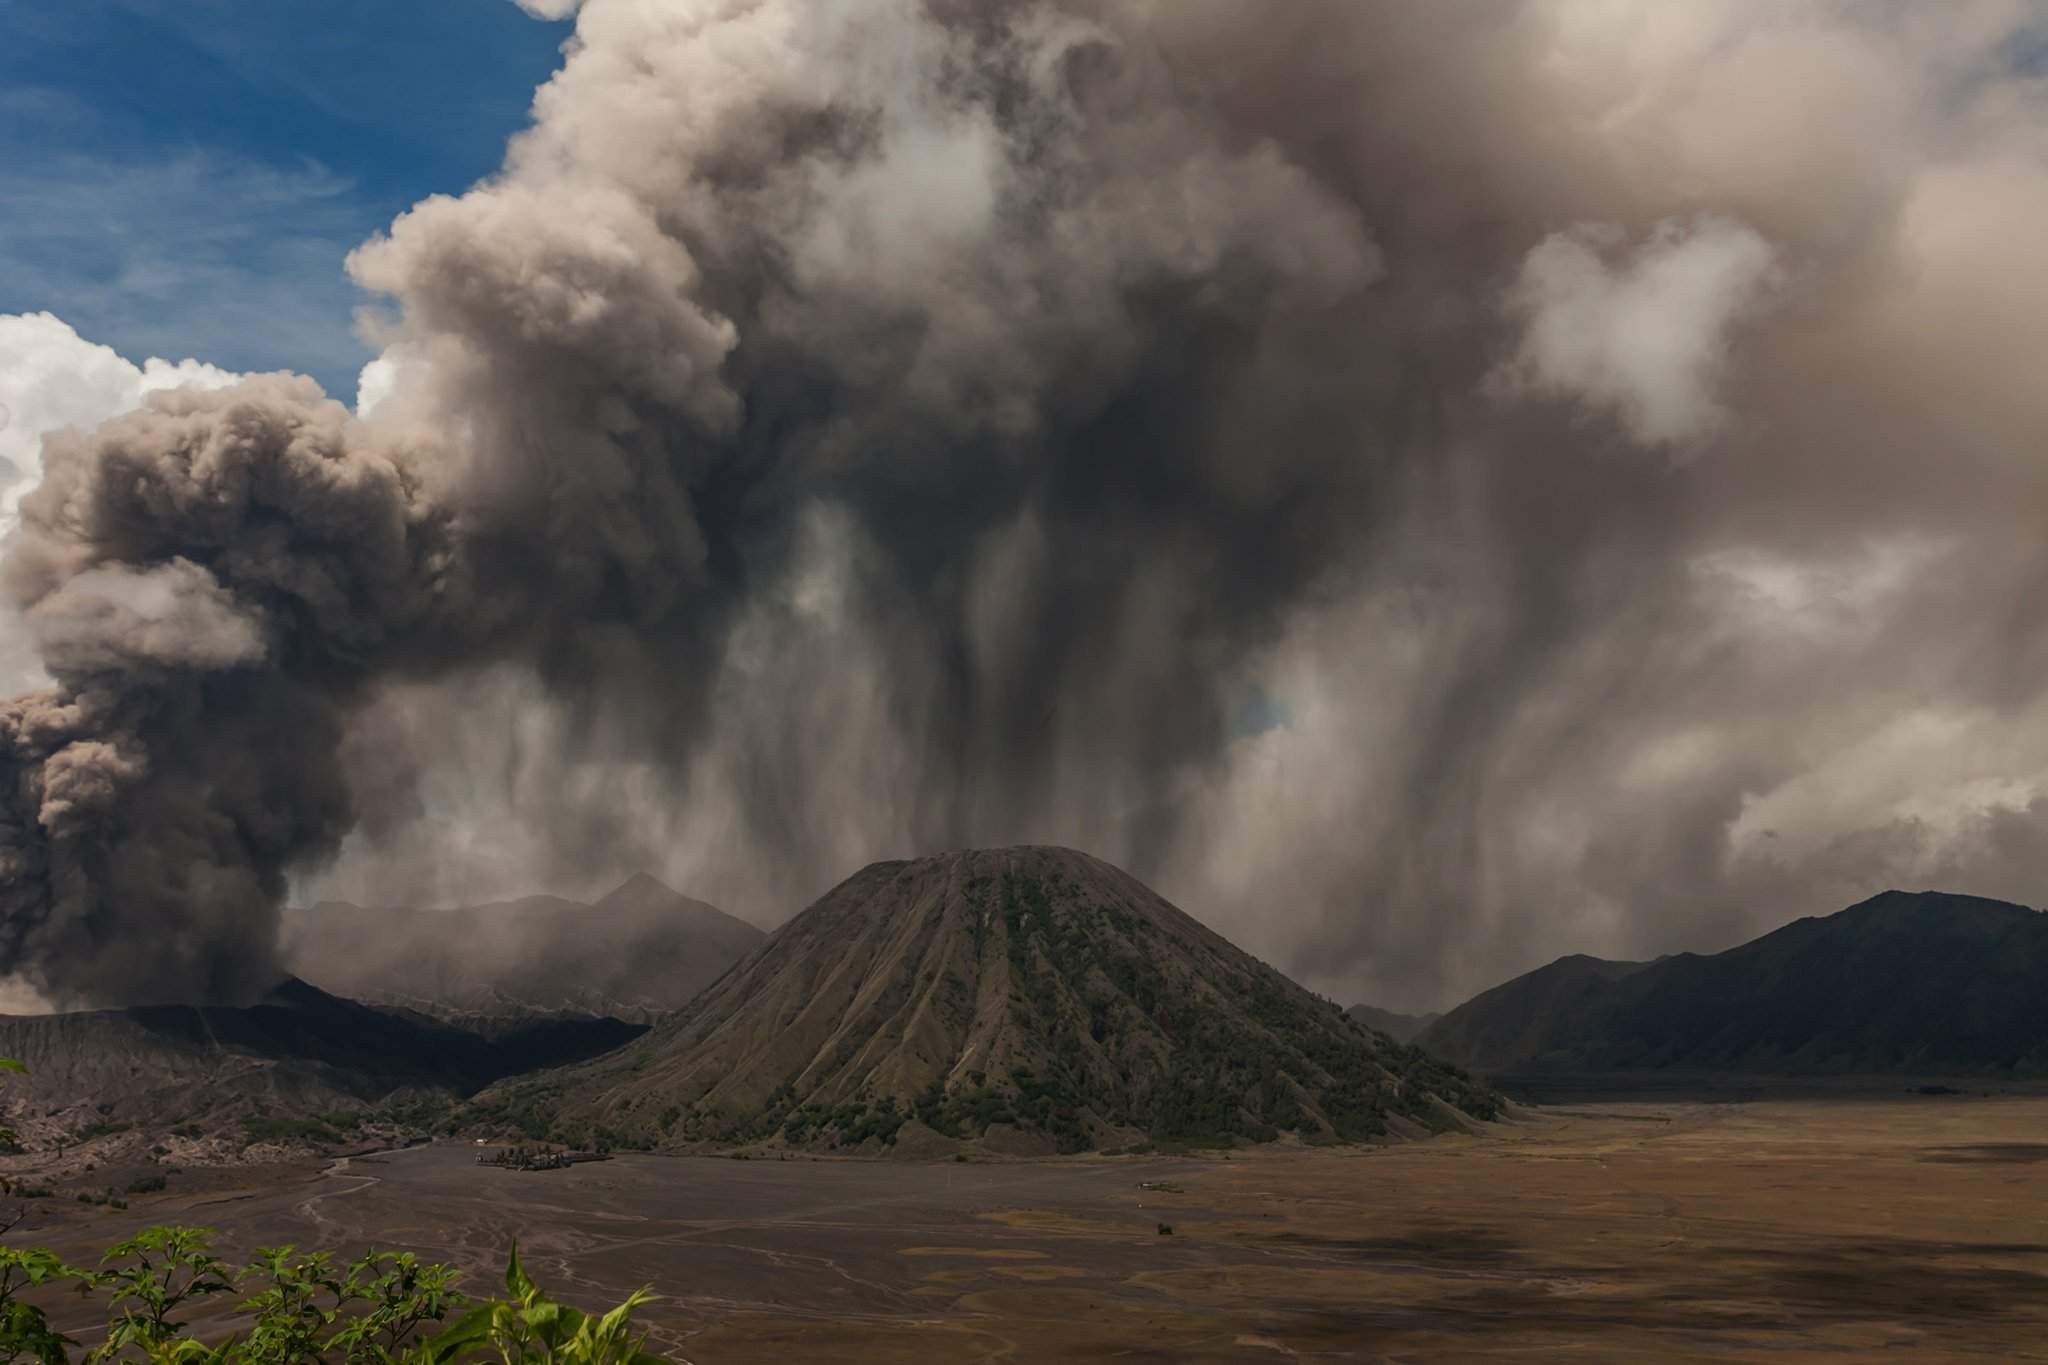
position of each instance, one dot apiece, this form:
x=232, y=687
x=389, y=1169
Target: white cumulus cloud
x=52, y=378
x=375, y=383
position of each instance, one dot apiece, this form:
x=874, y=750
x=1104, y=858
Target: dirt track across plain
x=1840, y=1230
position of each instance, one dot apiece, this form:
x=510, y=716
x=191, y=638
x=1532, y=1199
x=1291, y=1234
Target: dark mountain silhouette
x=1533, y=1015
x=297, y=1051
x=1402, y=1028
x=1905, y=983
x=1023, y=999
x=636, y=954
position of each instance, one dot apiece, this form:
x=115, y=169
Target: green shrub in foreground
x=383, y=1309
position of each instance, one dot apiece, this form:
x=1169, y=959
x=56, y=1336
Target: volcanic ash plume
x=1429, y=486
x=209, y=580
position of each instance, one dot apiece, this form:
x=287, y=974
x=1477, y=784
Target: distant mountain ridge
x=636, y=953
x=1016, y=1000
x=1906, y=983
x=297, y=1051
x=1402, y=1028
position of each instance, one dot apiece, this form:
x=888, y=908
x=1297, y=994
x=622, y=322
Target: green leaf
x=469, y=1332
x=543, y=1317
x=516, y=1282
x=618, y=1319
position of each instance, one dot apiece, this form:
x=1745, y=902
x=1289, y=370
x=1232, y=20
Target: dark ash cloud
x=1606, y=434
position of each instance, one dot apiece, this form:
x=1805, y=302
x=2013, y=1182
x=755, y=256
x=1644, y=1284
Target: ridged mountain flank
x=1015, y=1000
x=1905, y=983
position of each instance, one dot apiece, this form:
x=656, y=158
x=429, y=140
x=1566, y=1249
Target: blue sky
x=183, y=177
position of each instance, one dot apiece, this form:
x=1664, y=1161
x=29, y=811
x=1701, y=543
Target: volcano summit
x=1017, y=1000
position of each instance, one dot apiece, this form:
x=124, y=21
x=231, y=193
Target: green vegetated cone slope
x=1024, y=999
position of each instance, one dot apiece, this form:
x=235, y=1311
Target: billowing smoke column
x=211, y=580
x=1425, y=484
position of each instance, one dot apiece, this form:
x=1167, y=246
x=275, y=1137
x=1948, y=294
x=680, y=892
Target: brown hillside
x=1921, y=983
x=1026, y=998
x=296, y=1054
